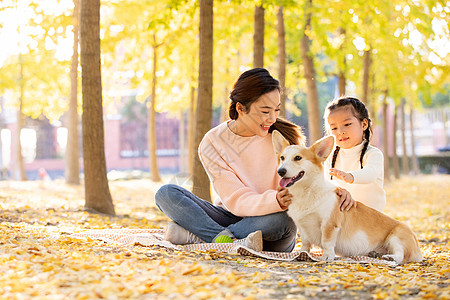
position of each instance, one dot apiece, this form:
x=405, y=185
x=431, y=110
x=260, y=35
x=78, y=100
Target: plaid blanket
x=155, y=237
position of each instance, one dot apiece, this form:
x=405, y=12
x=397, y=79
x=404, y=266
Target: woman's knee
x=165, y=194
x=279, y=225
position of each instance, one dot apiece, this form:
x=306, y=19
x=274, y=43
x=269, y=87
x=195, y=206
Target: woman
x=239, y=159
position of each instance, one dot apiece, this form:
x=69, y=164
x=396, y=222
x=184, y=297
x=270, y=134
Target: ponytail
x=289, y=131
x=232, y=111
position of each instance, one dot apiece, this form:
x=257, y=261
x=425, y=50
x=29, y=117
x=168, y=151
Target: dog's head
x=298, y=162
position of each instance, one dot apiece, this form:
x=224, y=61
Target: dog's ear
x=279, y=142
x=322, y=148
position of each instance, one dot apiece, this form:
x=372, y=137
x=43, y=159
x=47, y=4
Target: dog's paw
x=393, y=257
x=374, y=254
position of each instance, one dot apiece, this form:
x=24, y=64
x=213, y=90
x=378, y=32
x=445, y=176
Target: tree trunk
x=341, y=82
x=191, y=135
x=203, y=115
x=387, y=174
x=281, y=60
x=2, y=166
x=97, y=194
x=405, y=163
x=72, y=147
x=415, y=163
x=314, y=117
x=182, y=143
x=366, y=76
x=342, y=65
x=226, y=89
x=19, y=168
x=395, y=162
x=444, y=122
x=258, y=38
x=151, y=122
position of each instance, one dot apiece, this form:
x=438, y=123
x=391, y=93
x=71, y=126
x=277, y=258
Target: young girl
x=355, y=165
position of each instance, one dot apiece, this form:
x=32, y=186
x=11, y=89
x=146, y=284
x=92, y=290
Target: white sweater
x=367, y=186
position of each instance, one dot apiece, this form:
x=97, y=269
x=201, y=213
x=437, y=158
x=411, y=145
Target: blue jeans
x=206, y=220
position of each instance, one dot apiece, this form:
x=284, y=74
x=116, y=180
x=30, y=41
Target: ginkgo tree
x=156, y=38
x=32, y=72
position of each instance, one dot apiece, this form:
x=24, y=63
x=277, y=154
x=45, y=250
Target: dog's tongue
x=285, y=181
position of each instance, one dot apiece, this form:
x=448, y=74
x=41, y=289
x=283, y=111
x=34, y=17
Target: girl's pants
x=206, y=220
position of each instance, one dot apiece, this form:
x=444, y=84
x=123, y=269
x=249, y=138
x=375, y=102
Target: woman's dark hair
x=360, y=112
x=251, y=85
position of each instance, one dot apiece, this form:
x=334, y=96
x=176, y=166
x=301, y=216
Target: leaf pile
x=39, y=260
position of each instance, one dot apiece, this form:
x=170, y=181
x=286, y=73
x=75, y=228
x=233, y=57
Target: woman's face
x=261, y=115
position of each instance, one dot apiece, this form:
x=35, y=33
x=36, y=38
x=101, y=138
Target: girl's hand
x=283, y=197
x=347, y=177
x=347, y=202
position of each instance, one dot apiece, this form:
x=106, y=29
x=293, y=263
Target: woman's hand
x=283, y=197
x=347, y=201
x=347, y=177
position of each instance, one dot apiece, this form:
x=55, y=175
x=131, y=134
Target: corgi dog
x=315, y=209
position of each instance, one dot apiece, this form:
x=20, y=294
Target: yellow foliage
x=38, y=259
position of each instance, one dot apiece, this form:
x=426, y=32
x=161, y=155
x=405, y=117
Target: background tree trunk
x=387, y=174
x=342, y=66
x=258, y=38
x=444, y=122
x=72, y=148
x=226, y=89
x=281, y=60
x=203, y=115
x=314, y=116
x=415, y=163
x=151, y=122
x=341, y=82
x=395, y=162
x=191, y=135
x=182, y=162
x=405, y=163
x=2, y=124
x=366, y=76
x=97, y=194
x=19, y=168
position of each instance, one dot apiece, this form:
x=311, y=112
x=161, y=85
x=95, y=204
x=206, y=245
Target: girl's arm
x=347, y=177
x=238, y=198
x=373, y=169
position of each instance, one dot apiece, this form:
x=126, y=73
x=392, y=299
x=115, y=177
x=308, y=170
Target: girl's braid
x=363, y=151
x=335, y=154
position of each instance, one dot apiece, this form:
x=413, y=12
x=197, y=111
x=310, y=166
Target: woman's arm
x=238, y=198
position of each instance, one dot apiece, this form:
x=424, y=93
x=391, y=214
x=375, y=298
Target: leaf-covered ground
x=39, y=260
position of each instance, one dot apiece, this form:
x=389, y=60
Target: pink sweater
x=242, y=171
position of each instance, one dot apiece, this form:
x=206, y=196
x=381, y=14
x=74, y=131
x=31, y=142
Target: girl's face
x=260, y=116
x=347, y=129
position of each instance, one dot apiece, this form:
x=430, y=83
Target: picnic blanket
x=155, y=237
